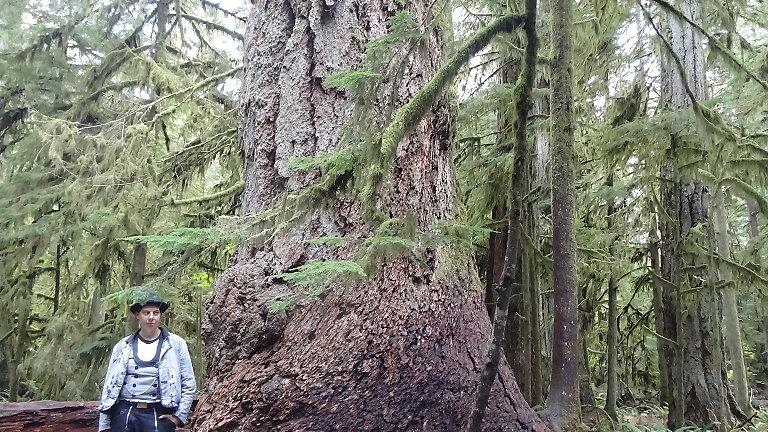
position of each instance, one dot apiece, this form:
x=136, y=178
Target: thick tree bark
x=692, y=309
x=563, y=408
x=730, y=311
x=400, y=351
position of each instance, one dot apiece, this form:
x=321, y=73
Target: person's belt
x=143, y=405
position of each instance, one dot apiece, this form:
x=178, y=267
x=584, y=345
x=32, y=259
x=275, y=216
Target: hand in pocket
x=167, y=423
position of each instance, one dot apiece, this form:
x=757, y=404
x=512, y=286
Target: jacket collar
x=165, y=342
x=163, y=335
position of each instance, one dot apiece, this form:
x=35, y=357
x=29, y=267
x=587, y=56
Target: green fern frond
x=351, y=81
x=322, y=273
x=181, y=239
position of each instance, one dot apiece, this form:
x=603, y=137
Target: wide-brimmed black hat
x=149, y=298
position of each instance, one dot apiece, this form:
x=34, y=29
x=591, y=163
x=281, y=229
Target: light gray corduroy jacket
x=177, y=379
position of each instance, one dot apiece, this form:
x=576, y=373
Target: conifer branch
x=8, y=334
x=218, y=7
x=204, y=41
x=212, y=25
x=189, y=90
x=712, y=41
x=237, y=187
x=664, y=338
x=706, y=116
x=112, y=87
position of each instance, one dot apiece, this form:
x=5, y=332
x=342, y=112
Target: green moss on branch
x=412, y=112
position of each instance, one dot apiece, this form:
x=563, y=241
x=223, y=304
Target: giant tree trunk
x=563, y=402
x=401, y=351
x=692, y=308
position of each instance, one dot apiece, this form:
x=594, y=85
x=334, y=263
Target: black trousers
x=127, y=417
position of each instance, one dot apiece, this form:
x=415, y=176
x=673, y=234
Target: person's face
x=148, y=317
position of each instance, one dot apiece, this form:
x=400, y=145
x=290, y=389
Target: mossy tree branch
x=412, y=112
x=237, y=187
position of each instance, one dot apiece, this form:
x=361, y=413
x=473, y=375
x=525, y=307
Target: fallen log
x=49, y=416
x=52, y=416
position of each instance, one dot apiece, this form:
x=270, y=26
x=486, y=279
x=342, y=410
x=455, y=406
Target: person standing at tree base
x=150, y=383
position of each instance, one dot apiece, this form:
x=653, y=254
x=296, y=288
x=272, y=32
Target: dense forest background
x=129, y=139
x=119, y=158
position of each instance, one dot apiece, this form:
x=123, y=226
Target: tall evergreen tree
x=563, y=407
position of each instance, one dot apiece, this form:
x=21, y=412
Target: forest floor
x=640, y=412
x=653, y=418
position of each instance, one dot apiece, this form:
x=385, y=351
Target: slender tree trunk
x=752, y=211
x=21, y=341
x=693, y=316
x=135, y=278
x=662, y=347
x=613, y=321
x=517, y=347
x=585, y=311
x=398, y=352
x=98, y=308
x=539, y=347
x=496, y=248
x=513, y=256
x=525, y=377
x=563, y=408
x=158, y=56
x=730, y=311
x=57, y=279
x=537, y=393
